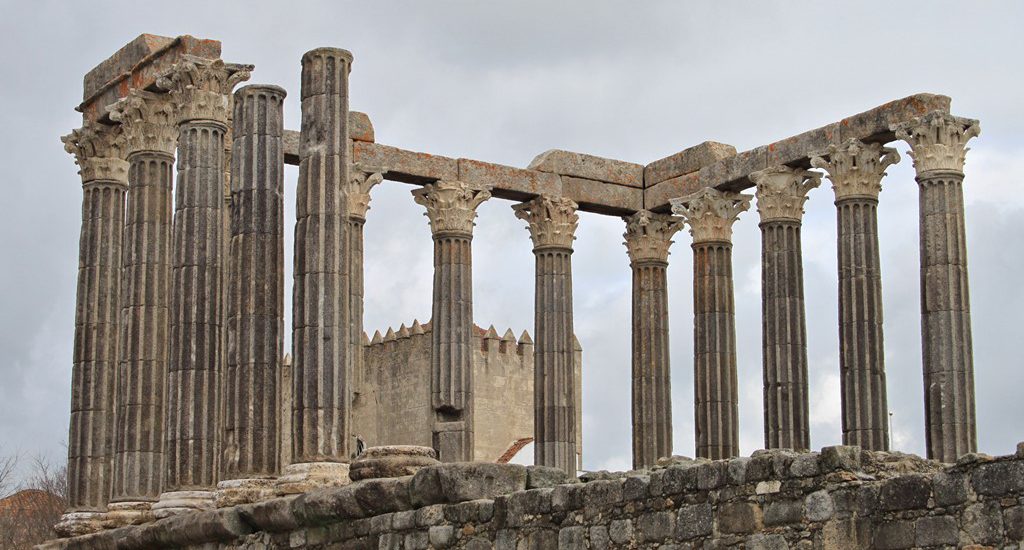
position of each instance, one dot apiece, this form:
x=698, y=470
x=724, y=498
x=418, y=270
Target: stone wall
x=840, y=498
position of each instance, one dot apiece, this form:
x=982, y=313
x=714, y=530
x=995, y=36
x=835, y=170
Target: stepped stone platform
x=841, y=498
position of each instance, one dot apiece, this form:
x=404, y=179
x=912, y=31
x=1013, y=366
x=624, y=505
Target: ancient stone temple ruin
x=192, y=428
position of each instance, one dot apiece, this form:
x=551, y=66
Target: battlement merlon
x=614, y=187
x=137, y=65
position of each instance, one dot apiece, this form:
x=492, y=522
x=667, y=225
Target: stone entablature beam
x=938, y=144
x=648, y=237
x=781, y=193
x=552, y=223
x=710, y=214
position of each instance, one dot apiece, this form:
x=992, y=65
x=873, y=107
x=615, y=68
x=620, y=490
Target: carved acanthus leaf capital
x=782, y=192
x=552, y=221
x=201, y=88
x=99, y=152
x=710, y=213
x=451, y=205
x=856, y=168
x=938, y=141
x=649, y=236
x=357, y=192
x=147, y=120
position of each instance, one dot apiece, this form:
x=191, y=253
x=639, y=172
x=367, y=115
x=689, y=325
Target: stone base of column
x=306, y=476
x=73, y=524
x=244, y=491
x=179, y=502
x=120, y=514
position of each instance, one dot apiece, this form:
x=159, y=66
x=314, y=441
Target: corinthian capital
x=938, y=141
x=99, y=152
x=451, y=205
x=201, y=88
x=357, y=192
x=552, y=221
x=710, y=213
x=649, y=236
x=782, y=192
x=856, y=168
x=147, y=120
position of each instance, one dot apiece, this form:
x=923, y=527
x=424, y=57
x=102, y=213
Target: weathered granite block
x=686, y=161
x=567, y=163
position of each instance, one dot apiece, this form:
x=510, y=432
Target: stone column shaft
x=201, y=92
x=648, y=238
x=552, y=226
x=938, y=143
x=99, y=154
x=781, y=192
x=710, y=214
x=255, y=295
x=152, y=135
x=357, y=199
x=856, y=170
x=451, y=207
x=321, y=389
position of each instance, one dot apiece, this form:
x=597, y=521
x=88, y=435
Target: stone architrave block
x=601, y=196
x=567, y=163
x=875, y=123
x=420, y=167
x=508, y=182
x=659, y=195
x=686, y=161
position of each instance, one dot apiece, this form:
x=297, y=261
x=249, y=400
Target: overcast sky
x=505, y=81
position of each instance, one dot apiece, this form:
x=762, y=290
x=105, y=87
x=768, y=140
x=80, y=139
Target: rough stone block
x=419, y=540
x=601, y=494
x=404, y=520
x=739, y=517
x=359, y=127
x=430, y=515
x=380, y=496
x=518, y=507
x=905, y=492
x=567, y=163
x=783, y=512
x=936, y=531
x=572, y=537
x=1013, y=523
x=620, y=531
x=950, y=488
x=441, y=536
x=567, y=497
x=655, y=526
x=270, y=515
x=894, y=535
x=767, y=542
x=999, y=478
x=805, y=465
x=508, y=182
x=538, y=477
x=982, y=523
x=818, y=506
x=840, y=457
x=473, y=511
x=678, y=479
x=712, y=475
x=736, y=472
x=323, y=505
x=462, y=481
x=599, y=196
x=599, y=537
x=686, y=161
x=635, y=487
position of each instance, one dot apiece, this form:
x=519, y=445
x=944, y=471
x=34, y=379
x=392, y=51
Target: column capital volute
x=357, y=193
x=938, y=141
x=782, y=191
x=451, y=206
x=99, y=151
x=649, y=236
x=710, y=213
x=856, y=168
x=200, y=88
x=147, y=120
x=552, y=221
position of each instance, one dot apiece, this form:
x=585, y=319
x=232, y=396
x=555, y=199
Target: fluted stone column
x=151, y=136
x=938, y=144
x=200, y=90
x=710, y=214
x=321, y=406
x=648, y=238
x=99, y=153
x=552, y=226
x=856, y=170
x=255, y=299
x=781, y=192
x=357, y=199
x=451, y=208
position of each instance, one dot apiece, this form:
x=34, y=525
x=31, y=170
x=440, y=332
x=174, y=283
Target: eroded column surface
x=151, y=137
x=938, y=146
x=781, y=192
x=856, y=170
x=255, y=298
x=99, y=153
x=552, y=226
x=357, y=198
x=321, y=389
x=200, y=90
x=710, y=214
x=648, y=238
x=451, y=208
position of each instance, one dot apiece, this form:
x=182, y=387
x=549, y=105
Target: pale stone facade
x=184, y=398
